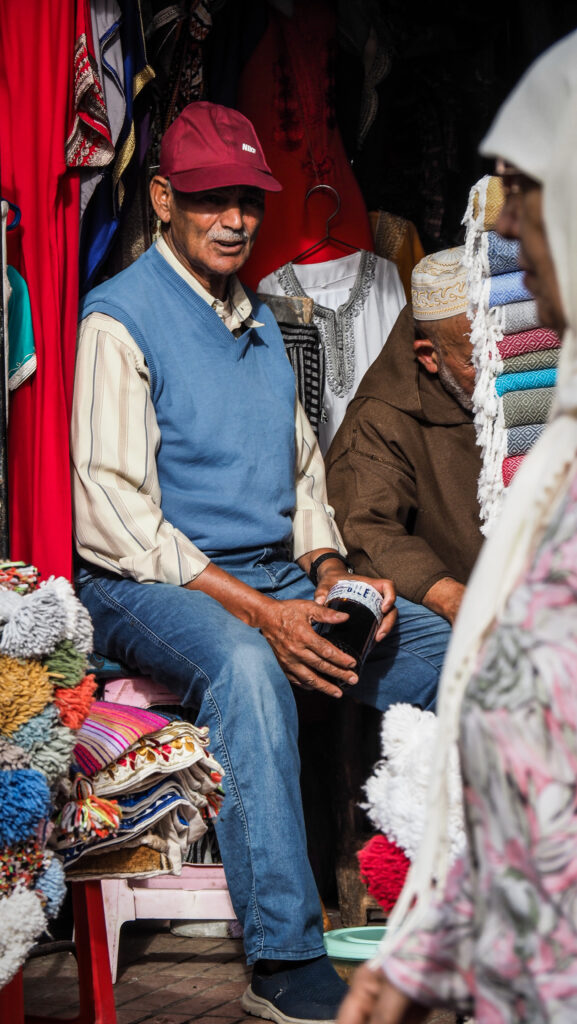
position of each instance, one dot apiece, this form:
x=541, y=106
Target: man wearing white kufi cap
x=402, y=471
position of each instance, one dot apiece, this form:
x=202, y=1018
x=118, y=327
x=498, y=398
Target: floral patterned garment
x=503, y=941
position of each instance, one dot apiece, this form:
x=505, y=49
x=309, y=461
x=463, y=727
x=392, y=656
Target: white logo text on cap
x=249, y=149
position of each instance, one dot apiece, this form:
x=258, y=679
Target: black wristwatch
x=314, y=567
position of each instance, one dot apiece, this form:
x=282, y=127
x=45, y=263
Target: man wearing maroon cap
x=205, y=542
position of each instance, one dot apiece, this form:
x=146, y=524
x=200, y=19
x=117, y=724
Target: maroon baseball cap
x=211, y=146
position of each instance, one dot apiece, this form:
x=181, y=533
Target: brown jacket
x=402, y=474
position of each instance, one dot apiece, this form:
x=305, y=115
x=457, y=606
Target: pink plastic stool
x=200, y=893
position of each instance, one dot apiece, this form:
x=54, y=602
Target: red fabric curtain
x=36, y=110
x=286, y=90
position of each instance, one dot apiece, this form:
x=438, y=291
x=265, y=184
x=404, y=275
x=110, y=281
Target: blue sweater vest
x=224, y=405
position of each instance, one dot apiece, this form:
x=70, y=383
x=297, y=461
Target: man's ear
x=160, y=198
x=426, y=354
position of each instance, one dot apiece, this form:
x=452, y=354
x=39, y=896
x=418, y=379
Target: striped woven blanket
x=498, y=255
x=507, y=288
x=537, y=340
x=520, y=439
x=522, y=407
x=515, y=317
x=542, y=359
x=525, y=381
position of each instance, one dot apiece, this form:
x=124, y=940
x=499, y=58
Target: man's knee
x=252, y=674
x=422, y=632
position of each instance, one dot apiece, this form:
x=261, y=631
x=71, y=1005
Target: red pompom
x=384, y=867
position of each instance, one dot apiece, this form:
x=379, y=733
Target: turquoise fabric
x=524, y=381
x=21, y=348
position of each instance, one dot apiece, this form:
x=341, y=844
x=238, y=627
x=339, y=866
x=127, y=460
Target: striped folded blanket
x=522, y=437
x=545, y=359
x=540, y=339
x=508, y=288
x=510, y=466
x=153, y=770
x=498, y=255
x=485, y=204
x=515, y=357
x=519, y=408
x=515, y=317
x=525, y=381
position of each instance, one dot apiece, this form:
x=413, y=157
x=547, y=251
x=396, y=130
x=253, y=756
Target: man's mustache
x=228, y=236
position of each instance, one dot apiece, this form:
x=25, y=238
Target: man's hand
x=372, y=999
x=300, y=651
x=444, y=598
x=288, y=625
x=288, y=628
x=331, y=571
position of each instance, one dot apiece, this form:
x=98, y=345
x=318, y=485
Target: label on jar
x=362, y=593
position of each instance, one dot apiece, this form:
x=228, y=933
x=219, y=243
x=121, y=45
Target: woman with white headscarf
x=496, y=935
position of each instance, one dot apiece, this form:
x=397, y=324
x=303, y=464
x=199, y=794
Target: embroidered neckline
x=336, y=327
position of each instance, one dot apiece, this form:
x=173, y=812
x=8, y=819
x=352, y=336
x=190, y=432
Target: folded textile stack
x=515, y=357
x=157, y=770
x=45, y=694
x=143, y=692
x=397, y=794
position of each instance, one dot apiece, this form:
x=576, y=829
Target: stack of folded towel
x=515, y=357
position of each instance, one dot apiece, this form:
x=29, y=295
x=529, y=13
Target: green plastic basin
x=353, y=944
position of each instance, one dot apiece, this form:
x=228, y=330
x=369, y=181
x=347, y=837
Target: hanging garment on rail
x=112, y=198
x=304, y=348
x=397, y=239
x=107, y=57
x=357, y=300
x=21, y=348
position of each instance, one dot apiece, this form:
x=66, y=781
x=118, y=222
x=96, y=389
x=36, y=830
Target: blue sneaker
x=306, y=994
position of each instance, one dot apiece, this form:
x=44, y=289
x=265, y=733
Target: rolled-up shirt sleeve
x=118, y=520
x=314, y=524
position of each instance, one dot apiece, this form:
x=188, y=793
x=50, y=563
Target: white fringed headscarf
x=536, y=131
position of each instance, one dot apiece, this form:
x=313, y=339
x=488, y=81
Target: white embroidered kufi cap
x=439, y=285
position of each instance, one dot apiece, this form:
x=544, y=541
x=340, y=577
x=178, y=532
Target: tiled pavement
x=162, y=979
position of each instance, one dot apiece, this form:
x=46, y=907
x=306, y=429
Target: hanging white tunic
x=357, y=301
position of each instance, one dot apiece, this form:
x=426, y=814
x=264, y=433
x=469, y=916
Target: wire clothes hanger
x=328, y=238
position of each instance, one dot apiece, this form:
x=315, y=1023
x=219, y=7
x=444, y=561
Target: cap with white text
x=211, y=146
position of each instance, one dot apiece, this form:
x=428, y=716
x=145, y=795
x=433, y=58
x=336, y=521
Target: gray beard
x=450, y=384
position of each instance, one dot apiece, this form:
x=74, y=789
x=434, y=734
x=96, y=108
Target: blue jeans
x=228, y=671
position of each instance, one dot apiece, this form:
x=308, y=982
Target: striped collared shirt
x=118, y=520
